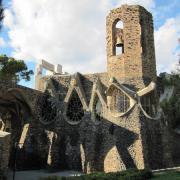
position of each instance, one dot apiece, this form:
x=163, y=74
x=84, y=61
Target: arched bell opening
x=118, y=45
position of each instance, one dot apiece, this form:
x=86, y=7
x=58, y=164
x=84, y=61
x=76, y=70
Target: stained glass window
x=75, y=110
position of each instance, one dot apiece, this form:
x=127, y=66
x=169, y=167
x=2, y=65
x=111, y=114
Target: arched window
x=97, y=109
x=75, y=110
x=119, y=44
x=45, y=110
x=120, y=102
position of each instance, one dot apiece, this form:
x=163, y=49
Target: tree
x=171, y=107
x=1, y=12
x=13, y=70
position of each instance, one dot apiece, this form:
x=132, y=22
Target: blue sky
x=42, y=29
x=8, y=49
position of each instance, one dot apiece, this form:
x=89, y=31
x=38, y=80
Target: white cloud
x=166, y=43
x=68, y=32
x=8, y=20
x=2, y=42
x=149, y=4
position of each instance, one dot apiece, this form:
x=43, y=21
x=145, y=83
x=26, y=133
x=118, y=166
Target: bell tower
x=130, y=44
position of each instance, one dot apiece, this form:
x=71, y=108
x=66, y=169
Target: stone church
x=108, y=121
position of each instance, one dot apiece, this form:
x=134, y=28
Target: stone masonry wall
x=30, y=94
x=4, y=153
x=156, y=142
x=90, y=144
x=147, y=44
x=105, y=146
x=136, y=61
x=15, y=126
x=112, y=144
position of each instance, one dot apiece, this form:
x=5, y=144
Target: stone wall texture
x=138, y=59
x=74, y=126
x=14, y=124
x=4, y=153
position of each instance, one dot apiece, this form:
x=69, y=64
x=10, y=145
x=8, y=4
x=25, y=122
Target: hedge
x=131, y=174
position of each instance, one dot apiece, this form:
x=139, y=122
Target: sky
x=72, y=32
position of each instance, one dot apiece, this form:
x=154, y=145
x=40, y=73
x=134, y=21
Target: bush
x=131, y=174
x=171, y=107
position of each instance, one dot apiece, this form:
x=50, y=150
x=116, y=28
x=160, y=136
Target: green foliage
x=131, y=174
x=171, y=107
x=169, y=175
x=13, y=70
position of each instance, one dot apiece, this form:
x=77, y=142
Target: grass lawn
x=168, y=175
x=131, y=174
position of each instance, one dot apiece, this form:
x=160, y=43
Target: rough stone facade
x=4, y=153
x=137, y=41
x=105, y=121
x=12, y=124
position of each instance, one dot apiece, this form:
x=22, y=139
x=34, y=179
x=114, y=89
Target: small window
x=119, y=101
x=148, y=104
x=97, y=109
x=144, y=38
